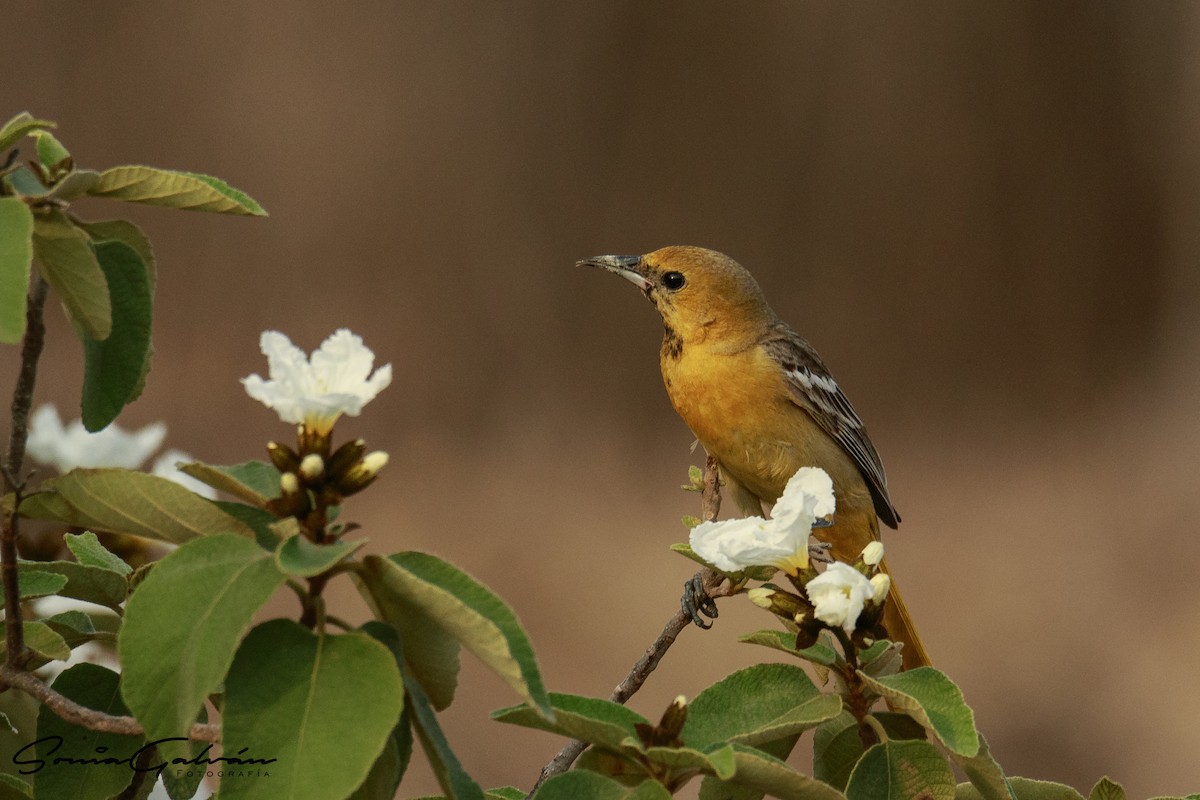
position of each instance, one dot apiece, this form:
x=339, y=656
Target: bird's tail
x=900, y=628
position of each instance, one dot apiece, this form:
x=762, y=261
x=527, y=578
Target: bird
x=760, y=401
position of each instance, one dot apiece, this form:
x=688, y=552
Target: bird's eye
x=673, y=281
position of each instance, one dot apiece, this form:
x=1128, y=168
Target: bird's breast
x=740, y=408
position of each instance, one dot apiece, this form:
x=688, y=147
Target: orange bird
x=759, y=399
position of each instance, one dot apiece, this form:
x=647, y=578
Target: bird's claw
x=819, y=551
x=696, y=603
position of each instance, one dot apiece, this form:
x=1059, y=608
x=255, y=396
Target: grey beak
x=628, y=267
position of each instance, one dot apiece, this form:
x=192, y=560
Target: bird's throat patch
x=672, y=345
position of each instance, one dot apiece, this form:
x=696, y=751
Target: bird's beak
x=628, y=267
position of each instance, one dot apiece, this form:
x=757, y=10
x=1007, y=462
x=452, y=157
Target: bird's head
x=700, y=293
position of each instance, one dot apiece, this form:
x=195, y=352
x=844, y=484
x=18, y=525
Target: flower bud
x=361, y=474
x=345, y=457
x=312, y=468
x=283, y=457
x=872, y=554
x=780, y=603
x=880, y=583
x=674, y=717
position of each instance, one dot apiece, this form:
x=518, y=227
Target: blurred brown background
x=983, y=216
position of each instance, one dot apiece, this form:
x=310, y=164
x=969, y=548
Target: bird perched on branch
x=759, y=399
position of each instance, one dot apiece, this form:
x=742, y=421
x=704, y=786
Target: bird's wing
x=815, y=391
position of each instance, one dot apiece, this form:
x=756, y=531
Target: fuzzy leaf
x=932, y=699
x=299, y=556
x=84, y=582
x=88, y=551
x=95, y=687
x=16, y=253
x=601, y=722
x=755, y=705
x=36, y=583
x=174, y=189
x=126, y=501
x=256, y=482
x=114, y=368
x=21, y=126
x=903, y=770
x=183, y=624
x=461, y=607
x=322, y=705
x=69, y=265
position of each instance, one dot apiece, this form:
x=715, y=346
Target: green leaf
x=95, y=687
x=301, y=557
x=90, y=584
x=758, y=704
x=431, y=654
x=21, y=126
x=450, y=774
x=984, y=774
x=183, y=624
x=322, y=705
x=584, y=785
x=113, y=367
x=256, y=519
x=1025, y=789
x=51, y=152
x=24, y=183
x=70, y=267
x=759, y=771
x=125, y=501
x=601, y=722
x=13, y=788
x=16, y=253
x=74, y=185
x=172, y=189
x=932, y=699
x=88, y=551
x=504, y=793
x=712, y=788
x=785, y=642
x=837, y=745
x=45, y=641
x=386, y=773
x=256, y=482
x=35, y=583
x=904, y=770
x=1106, y=789
x=461, y=607
x=119, y=230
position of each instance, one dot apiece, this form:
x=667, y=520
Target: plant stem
x=31, y=351
x=74, y=713
x=856, y=700
x=714, y=585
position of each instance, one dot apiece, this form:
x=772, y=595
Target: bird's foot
x=696, y=602
x=819, y=551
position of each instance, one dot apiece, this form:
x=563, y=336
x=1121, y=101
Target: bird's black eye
x=673, y=281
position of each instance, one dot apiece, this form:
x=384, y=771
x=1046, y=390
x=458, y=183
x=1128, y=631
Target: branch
x=89, y=718
x=31, y=351
x=639, y=672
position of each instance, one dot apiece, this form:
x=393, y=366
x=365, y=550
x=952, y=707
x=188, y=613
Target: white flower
x=881, y=584
x=165, y=467
x=735, y=544
x=782, y=541
x=838, y=595
x=809, y=493
x=72, y=446
x=336, y=380
x=872, y=554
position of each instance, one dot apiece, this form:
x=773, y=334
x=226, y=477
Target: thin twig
x=31, y=351
x=89, y=718
x=714, y=585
